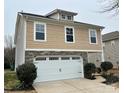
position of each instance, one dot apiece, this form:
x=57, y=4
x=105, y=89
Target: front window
x=93, y=36
x=40, y=31
x=69, y=34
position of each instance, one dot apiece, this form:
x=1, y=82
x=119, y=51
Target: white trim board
x=45, y=35
x=102, y=56
x=28, y=49
x=90, y=36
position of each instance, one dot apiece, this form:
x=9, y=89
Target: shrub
x=110, y=78
x=105, y=66
x=98, y=70
x=26, y=73
x=89, y=69
x=6, y=63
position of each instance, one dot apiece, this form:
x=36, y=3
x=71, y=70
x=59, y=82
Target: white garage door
x=58, y=67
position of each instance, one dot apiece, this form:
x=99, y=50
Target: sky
x=88, y=12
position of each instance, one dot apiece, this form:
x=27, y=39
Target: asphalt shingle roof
x=110, y=36
x=36, y=15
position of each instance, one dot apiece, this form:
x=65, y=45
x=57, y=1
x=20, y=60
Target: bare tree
x=9, y=51
x=110, y=6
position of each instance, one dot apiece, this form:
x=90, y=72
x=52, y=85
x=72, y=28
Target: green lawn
x=10, y=79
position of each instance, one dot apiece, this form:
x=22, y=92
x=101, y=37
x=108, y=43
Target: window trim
x=66, y=34
x=61, y=58
x=64, y=16
x=70, y=17
x=90, y=36
x=53, y=59
x=40, y=57
x=77, y=58
x=44, y=31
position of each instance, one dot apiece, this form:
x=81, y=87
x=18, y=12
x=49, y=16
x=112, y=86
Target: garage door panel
x=49, y=70
x=59, y=77
x=62, y=68
x=58, y=69
x=71, y=70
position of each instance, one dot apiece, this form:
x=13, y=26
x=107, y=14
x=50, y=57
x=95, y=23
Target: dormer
x=61, y=15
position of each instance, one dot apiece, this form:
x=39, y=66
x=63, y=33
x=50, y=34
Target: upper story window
x=69, y=34
x=39, y=31
x=92, y=36
x=66, y=17
x=69, y=17
x=63, y=17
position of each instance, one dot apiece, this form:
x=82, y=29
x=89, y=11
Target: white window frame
x=70, y=17
x=44, y=31
x=39, y=60
x=73, y=34
x=90, y=36
x=64, y=16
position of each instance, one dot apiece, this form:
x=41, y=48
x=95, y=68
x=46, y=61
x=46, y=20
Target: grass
x=10, y=79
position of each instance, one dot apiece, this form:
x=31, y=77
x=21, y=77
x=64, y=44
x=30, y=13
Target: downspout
x=102, y=56
x=87, y=58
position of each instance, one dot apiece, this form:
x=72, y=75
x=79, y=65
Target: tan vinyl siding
x=55, y=16
x=55, y=36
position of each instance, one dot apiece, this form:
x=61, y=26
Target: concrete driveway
x=74, y=86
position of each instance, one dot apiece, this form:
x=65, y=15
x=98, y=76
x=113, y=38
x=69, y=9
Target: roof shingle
x=36, y=15
x=110, y=36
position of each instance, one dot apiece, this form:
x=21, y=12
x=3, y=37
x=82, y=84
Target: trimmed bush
x=110, y=78
x=26, y=73
x=98, y=70
x=89, y=69
x=105, y=66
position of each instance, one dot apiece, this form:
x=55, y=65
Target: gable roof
x=110, y=36
x=60, y=11
x=36, y=15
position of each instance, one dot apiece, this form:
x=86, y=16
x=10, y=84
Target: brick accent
x=30, y=55
x=95, y=58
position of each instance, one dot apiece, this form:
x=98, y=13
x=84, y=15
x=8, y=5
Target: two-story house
x=111, y=47
x=56, y=44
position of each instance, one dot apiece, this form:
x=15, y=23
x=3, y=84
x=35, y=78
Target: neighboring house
x=56, y=44
x=111, y=47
